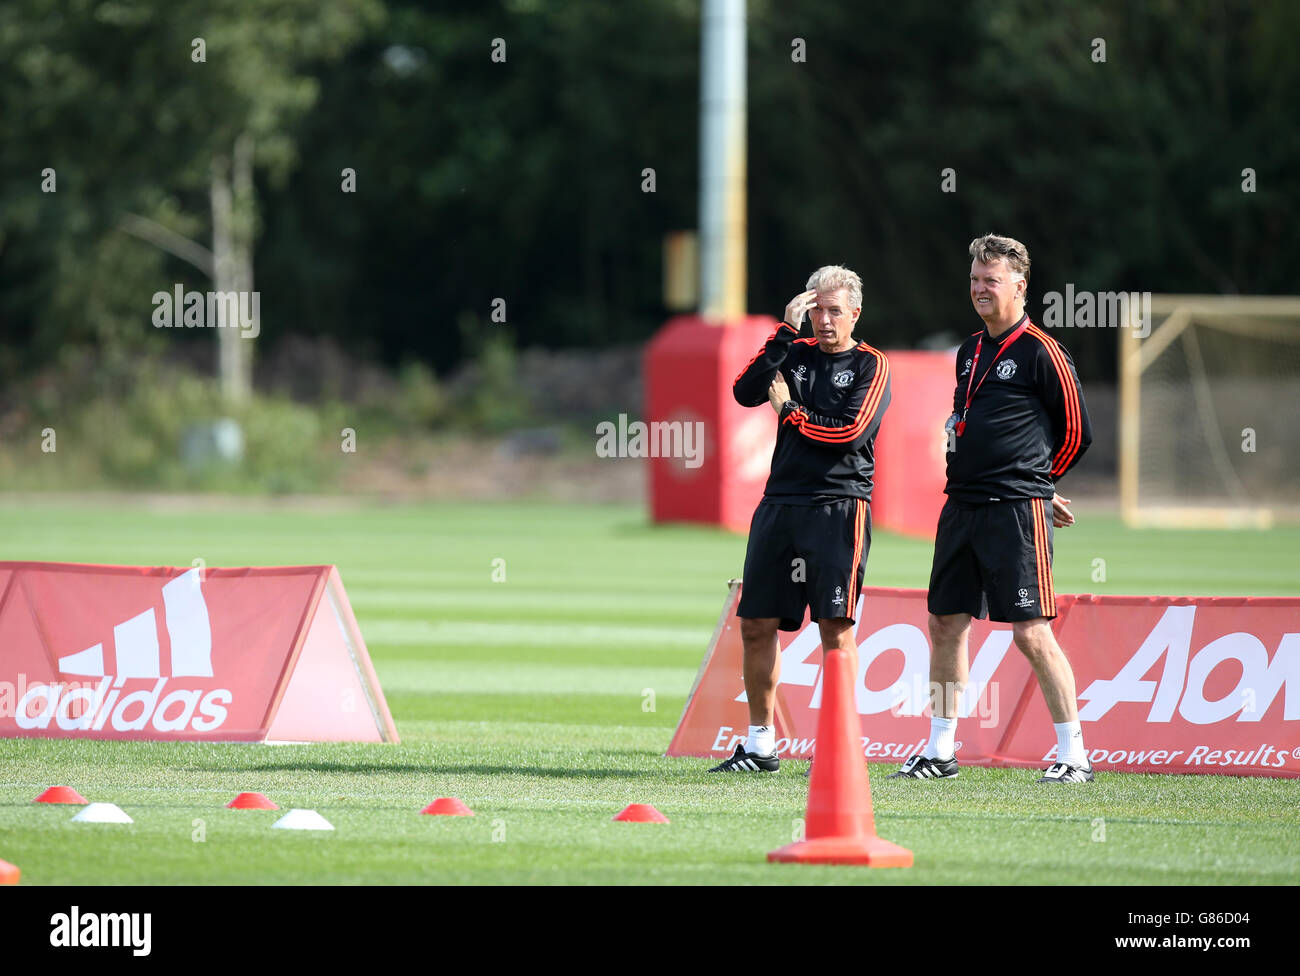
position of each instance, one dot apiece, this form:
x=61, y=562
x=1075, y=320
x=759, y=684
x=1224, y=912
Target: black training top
x=1027, y=424
x=825, y=440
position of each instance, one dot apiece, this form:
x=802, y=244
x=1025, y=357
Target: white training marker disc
x=303, y=820
x=103, y=813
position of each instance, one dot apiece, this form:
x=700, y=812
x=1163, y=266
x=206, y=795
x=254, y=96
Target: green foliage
x=110, y=97
x=421, y=401
x=479, y=179
x=482, y=179
x=127, y=429
x=494, y=403
x=1119, y=175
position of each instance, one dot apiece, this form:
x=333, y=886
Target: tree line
x=391, y=174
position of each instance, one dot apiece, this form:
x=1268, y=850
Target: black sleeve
x=1063, y=398
x=964, y=353
x=750, y=387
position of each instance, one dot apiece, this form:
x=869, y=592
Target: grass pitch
x=545, y=702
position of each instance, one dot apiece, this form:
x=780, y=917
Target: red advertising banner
x=124, y=652
x=1165, y=685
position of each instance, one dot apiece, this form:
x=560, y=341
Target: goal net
x=1209, y=412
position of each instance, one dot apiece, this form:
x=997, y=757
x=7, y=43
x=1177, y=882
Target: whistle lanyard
x=970, y=394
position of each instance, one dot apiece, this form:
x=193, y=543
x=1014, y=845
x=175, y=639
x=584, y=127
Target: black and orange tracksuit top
x=1027, y=424
x=825, y=440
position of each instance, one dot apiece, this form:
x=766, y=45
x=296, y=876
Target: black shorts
x=994, y=560
x=805, y=556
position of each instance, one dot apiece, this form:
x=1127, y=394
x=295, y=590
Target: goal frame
x=1175, y=313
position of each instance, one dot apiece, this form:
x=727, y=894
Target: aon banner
x=124, y=652
x=1165, y=685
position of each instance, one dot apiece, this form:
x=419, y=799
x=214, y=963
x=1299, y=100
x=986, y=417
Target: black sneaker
x=1065, y=773
x=748, y=762
x=918, y=767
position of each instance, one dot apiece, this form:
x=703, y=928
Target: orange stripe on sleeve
x=1063, y=371
x=1073, y=410
x=870, y=404
x=1070, y=394
x=783, y=325
x=1073, y=424
x=754, y=360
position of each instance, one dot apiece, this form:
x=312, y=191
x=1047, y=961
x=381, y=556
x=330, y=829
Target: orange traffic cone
x=9, y=873
x=839, y=826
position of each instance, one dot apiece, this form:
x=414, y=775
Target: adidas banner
x=243, y=655
x=1165, y=685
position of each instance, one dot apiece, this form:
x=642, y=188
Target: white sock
x=943, y=737
x=1069, y=744
x=762, y=740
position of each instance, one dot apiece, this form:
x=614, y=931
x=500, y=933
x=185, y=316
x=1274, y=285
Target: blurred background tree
x=520, y=177
x=150, y=119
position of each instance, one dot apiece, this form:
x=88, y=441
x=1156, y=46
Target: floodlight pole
x=722, y=161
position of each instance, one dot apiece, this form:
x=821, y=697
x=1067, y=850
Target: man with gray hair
x=810, y=534
x=1018, y=425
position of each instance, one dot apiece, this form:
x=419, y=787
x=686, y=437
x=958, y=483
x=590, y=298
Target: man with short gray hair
x=1018, y=425
x=809, y=538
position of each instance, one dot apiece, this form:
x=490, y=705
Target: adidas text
x=99, y=706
